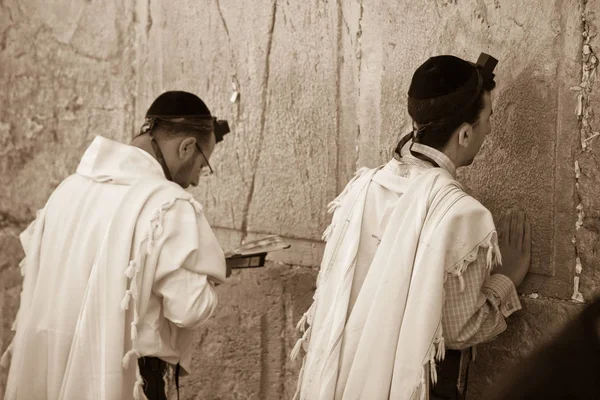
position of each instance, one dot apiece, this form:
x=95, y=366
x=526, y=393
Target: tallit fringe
x=22, y=267
x=132, y=293
x=128, y=356
x=302, y=342
x=305, y=323
x=138, y=388
x=299, y=383
x=130, y=271
x=493, y=257
x=337, y=202
x=437, y=352
x=306, y=317
x=15, y=323
x=126, y=300
x=197, y=206
x=134, y=330
x=4, y=361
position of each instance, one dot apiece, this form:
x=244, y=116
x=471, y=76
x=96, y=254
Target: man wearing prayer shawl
x=413, y=265
x=120, y=265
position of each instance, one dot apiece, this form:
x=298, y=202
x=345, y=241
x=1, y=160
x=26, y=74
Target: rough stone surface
x=588, y=182
x=322, y=91
x=243, y=352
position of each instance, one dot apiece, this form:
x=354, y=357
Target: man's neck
x=453, y=155
x=144, y=143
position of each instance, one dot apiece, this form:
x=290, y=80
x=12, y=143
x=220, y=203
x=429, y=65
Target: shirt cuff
x=505, y=293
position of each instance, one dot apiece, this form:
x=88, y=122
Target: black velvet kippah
x=453, y=83
x=439, y=76
x=176, y=104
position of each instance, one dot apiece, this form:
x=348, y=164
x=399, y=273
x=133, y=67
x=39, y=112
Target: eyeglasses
x=203, y=171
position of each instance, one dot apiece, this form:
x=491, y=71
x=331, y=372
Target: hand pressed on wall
x=515, y=246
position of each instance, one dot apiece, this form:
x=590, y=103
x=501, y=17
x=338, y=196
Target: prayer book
x=253, y=254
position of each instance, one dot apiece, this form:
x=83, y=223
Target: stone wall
x=322, y=90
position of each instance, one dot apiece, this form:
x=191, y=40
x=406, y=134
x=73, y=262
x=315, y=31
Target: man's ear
x=187, y=147
x=465, y=134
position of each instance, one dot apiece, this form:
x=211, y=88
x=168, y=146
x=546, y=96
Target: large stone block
x=11, y=254
x=281, y=154
x=588, y=180
x=537, y=323
x=72, y=83
x=243, y=351
x=526, y=162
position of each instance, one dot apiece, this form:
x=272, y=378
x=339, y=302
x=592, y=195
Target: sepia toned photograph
x=299, y=200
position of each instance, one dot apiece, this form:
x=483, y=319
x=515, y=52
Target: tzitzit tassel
x=138, y=387
x=299, y=383
x=158, y=228
x=197, y=206
x=306, y=341
x=134, y=333
x=125, y=301
x=421, y=392
x=168, y=204
x=299, y=343
x=441, y=349
x=490, y=255
x=130, y=271
x=327, y=233
x=4, y=363
x=334, y=205
x=296, y=349
x=461, y=280
x=150, y=235
x=127, y=357
x=432, y=369
x=22, y=266
x=302, y=323
x=497, y=253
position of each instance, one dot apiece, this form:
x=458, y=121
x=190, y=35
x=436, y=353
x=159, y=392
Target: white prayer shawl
x=393, y=333
x=100, y=362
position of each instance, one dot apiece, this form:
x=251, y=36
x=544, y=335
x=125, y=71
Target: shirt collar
x=436, y=156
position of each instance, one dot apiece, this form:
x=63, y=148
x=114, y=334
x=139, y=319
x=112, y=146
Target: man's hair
x=165, y=129
x=437, y=133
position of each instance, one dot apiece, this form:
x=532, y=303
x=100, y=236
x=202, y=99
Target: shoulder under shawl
x=450, y=217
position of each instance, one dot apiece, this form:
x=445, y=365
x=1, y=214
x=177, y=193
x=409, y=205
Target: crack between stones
x=264, y=357
x=358, y=54
x=338, y=92
x=149, y=20
x=4, y=36
x=263, y=118
x=584, y=112
x=47, y=30
x=232, y=61
x=223, y=21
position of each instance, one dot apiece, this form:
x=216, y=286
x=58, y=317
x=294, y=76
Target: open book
x=253, y=254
